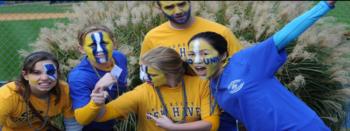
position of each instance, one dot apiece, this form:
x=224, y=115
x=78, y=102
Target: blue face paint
x=50, y=70
x=212, y=60
x=173, y=19
x=206, y=61
x=99, y=47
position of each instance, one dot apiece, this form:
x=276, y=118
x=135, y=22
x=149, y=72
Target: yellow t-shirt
x=13, y=108
x=144, y=100
x=165, y=35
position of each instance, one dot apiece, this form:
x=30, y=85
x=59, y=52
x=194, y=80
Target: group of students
x=195, y=78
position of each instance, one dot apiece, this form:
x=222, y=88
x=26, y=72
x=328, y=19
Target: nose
x=99, y=48
x=44, y=76
x=197, y=59
x=178, y=10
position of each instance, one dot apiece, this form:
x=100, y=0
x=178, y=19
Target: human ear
x=81, y=49
x=25, y=75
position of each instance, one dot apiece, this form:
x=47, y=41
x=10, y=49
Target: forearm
x=87, y=114
x=191, y=126
x=71, y=124
x=297, y=26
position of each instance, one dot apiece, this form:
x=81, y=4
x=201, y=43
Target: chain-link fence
x=20, y=24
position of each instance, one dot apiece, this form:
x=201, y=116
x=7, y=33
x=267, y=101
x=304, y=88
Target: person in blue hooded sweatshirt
x=244, y=84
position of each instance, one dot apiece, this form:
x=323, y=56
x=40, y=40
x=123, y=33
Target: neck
x=217, y=73
x=104, y=66
x=182, y=26
x=41, y=95
x=176, y=82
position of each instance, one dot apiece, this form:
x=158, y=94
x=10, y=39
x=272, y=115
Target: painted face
x=153, y=76
x=178, y=12
x=98, y=46
x=43, y=77
x=203, y=58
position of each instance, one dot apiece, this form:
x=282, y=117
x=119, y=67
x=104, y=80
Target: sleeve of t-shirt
x=80, y=89
x=122, y=106
x=145, y=46
x=5, y=110
x=206, y=100
x=67, y=108
x=122, y=63
x=234, y=44
x=299, y=24
x=264, y=59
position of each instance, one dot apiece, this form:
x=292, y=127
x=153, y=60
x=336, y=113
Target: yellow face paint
x=203, y=58
x=156, y=77
x=176, y=11
x=98, y=46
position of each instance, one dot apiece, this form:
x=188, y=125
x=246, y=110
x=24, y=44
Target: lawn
x=341, y=12
x=39, y=7
x=17, y=35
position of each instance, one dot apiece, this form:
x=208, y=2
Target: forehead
x=168, y=3
x=97, y=34
x=151, y=70
x=200, y=44
x=40, y=65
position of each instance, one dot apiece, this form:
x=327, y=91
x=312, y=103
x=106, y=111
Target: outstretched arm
x=297, y=26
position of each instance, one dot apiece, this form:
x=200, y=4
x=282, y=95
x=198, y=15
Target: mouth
x=201, y=70
x=180, y=17
x=45, y=84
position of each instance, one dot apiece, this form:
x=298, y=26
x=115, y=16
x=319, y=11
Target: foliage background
x=317, y=69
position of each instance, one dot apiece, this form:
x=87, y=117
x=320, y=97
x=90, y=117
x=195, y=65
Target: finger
x=97, y=89
x=151, y=116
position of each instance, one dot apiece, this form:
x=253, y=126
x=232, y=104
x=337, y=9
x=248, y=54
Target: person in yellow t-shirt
x=182, y=25
x=170, y=99
x=177, y=31
x=39, y=86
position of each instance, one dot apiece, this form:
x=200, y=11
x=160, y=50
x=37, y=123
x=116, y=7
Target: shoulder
x=84, y=68
x=157, y=30
x=64, y=87
x=8, y=91
x=118, y=55
x=195, y=81
x=144, y=87
x=210, y=23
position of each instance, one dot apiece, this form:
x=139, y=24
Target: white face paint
x=99, y=49
x=196, y=51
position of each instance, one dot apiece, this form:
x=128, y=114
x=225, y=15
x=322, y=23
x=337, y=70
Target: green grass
x=36, y=8
x=341, y=12
x=18, y=35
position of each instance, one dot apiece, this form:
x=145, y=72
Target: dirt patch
x=33, y=16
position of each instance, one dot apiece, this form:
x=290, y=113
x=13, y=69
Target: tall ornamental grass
x=317, y=69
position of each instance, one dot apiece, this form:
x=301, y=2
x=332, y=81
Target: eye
x=92, y=45
x=170, y=7
x=153, y=75
x=181, y=4
x=36, y=72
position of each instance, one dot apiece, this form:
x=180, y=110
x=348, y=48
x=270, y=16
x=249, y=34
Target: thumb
x=97, y=89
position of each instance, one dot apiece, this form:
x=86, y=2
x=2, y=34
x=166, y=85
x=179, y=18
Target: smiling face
x=98, y=46
x=43, y=77
x=203, y=58
x=178, y=12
